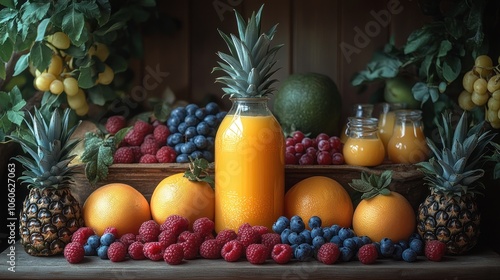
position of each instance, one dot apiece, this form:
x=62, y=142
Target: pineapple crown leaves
x=251, y=60
x=454, y=168
x=98, y=153
x=198, y=171
x=49, y=147
x=373, y=185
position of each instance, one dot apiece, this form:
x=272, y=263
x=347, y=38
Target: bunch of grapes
x=193, y=131
x=322, y=149
x=61, y=74
x=482, y=88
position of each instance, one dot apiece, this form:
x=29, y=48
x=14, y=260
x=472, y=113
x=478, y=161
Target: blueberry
x=336, y=239
x=177, y=148
x=212, y=132
x=409, y=255
x=386, y=247
x=294, y=247
x=212, y=108
x=208, y=155
x=303, y=252
x=345, y=233
x=89, y=250
x=211, y=143
x=220, y=116
x=346, y=254
x=296, y=238
x=377, y=245
x=280, y=225
x=182, y=127
x=200, y=141
x=182, y=158
x=297, y=225
x=211, y=120
x=351, y=244
x=397, y=254
x=173, y=129
x=102, y=252
x=200, y=113
x=366, y=239
x=404, y=244
x=335, y=229
x=314, y=221
x=307, y=236
x=317, y=231
x=318, y=241
x=203, y=128
x=191, y=120
x=174, y=139
x=188, y=148
x=190, y=132
x=179, y=112
x=284, y=235
x=196, y=154
x=191, y=109
x=295, y=217
x=328, y=233
x=107, y=239
x=414, y=235
x=359, y=241
x=94, y=241
x=173, y=121
x=417, y=245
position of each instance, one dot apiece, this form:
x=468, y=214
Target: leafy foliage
x=11, y=113
x=198, y=171
x=496, y=158
x=373, y=185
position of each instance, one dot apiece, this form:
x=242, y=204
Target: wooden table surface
x=479, y=264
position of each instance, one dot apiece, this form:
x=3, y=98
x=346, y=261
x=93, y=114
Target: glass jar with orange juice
x=360, y=110
x=363, y=146
x=386, y=120
x=249, y=166
x=407, y=143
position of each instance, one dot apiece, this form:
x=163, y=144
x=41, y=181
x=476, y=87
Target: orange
x=116, y=205
x=384, y=216
x=320, y=196
x=177, y=195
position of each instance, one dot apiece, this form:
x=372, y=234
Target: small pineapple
x=251, y=59
x=50, y=213
x=450, y=213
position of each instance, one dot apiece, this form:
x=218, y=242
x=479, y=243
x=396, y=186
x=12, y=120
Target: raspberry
x=117, y=251
x=74, y=252
x=137, y=152
x=261, y=229
x=204, y=226
x=143, y=127
x=210, y=249
x=134, y=138
x=232, y=250
x=82, y=234
x=190, y=243
x=282, y=253
x=225, y=236
x=435, y=250
x=269, y=240
x=166, y=238
x=166, y=154
x=367, y=254
x=176, y=224
x=149, y=145
x=114, y=124
x=174, y=254
x=248, y=236
x=245, y=225
x=256, y=253
x=208, y=237
x=148, y=159
x=153, y=251
x=149, y=231
x=161, y=133
x=136, y=251
x=328, y=253
x=127, y=239
x=123, y=155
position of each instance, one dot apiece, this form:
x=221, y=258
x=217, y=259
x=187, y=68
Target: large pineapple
x=50, y=214
x=450, y=212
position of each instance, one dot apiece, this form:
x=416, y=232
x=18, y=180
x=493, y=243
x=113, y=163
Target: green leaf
x=8, y=3
x=16, y=117
x=417, y=40
x=42, y=27
x=434, y=94
x=7, y=15
x=120, y=135
x=40, y=56
x=89, y=9
x=3, y=74
x=96, y=97
x=21, y=64
x=148, y=3
x=33, y=12
x=451, y=68
x=6, y=51
x=444, y=48
x=72, y=24
x=85, y=78
x=107, y=29
x=420, y=91
x=117, y=63
x=105, y=12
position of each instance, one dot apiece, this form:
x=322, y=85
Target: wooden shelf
x=481, y=263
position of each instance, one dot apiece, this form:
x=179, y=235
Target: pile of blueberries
x=306, y=242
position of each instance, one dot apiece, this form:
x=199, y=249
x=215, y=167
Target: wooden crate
x=407, y=180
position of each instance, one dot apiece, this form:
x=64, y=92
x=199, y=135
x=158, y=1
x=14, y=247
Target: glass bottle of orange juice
x=386, y=120
x=360, y=110
x=407, y=144
x=249, y=166
x=363, y=146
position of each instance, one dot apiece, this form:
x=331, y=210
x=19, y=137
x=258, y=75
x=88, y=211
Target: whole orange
x=116, y=205
x=384, y=216
x=177, y=195
x=320, y=196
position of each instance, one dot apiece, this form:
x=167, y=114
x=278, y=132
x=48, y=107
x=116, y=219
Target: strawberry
x=136, y=251
x=435, y=250
x=123, y=155
x=153, y=250
x=368, y=254
x=161, y=134
x=149, y=231
x=117, y=251
x=225, y=236
x=204, y=226
x=210, y=249
x=115, y=123
x=282, y=253
x=232, y=250
x=174, y=254
x=328, y=253
x=256, y=253
x=166, y=154
x=74, y=252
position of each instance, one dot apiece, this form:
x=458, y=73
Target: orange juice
x=249, y=171
x=363, y=152
x=407, y=145
x=386, y=126
x=359, y=111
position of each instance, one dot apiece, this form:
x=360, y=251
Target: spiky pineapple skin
x=48, y=219
x=452, y=220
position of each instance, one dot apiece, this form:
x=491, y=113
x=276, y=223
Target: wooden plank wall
x=312, y=33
